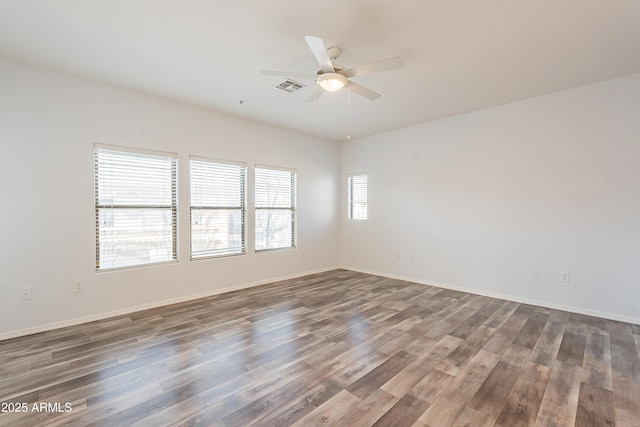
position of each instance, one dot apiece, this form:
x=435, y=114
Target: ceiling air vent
x=289, y=86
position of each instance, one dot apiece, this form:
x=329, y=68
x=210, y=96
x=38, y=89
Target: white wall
x=502, y=201
x=499, y=202
x=48, y=125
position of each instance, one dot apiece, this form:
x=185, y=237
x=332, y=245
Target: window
x=275, y=200
x=217, y=208
x=135, y=207
x=358, y=196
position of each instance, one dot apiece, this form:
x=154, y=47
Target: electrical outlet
x=25, y=293
x=79, y=287
x=397, y=256
x=412, y=258
x=565, y=277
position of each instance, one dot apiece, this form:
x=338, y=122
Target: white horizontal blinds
x=217, y=208
x=275, y=203
x=135, y=208
x=358, y=196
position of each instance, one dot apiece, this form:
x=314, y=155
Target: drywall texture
x=48, y=125
x=503, y=201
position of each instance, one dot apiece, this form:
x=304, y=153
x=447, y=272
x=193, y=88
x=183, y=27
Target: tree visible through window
x=275, y=204
x=135, y=207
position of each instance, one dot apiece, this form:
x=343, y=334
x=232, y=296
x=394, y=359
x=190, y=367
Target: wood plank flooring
x=339, y=348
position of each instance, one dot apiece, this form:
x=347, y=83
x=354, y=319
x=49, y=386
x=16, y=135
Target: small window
x=135, y=207
x=275, y=204
x=217, y=208
x=358, y=196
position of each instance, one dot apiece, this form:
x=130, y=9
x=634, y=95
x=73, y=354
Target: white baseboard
x=106, y=315
x=546, y=304
x=128, y=310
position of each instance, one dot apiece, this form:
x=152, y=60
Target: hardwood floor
x=337, y=348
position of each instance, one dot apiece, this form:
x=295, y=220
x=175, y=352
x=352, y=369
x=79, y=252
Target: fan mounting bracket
x=334, y=52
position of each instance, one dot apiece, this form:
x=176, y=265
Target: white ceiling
x=459, y=55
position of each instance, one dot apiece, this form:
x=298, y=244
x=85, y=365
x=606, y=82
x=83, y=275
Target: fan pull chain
x=348, y=113
x=315, y=111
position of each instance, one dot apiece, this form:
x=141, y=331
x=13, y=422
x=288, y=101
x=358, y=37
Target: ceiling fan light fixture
x=332, y=82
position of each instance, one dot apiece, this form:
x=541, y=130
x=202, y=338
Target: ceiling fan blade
x=374, y=67
x=320, y=52
x=363, y=91
x=315, y=94
x=288, y=74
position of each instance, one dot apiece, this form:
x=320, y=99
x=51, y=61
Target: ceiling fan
x=333, y=77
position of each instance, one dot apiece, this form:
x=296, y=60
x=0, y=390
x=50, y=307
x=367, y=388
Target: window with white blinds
x=275, y=204
x=217, y=208
x=135, y=207
x=358, y=196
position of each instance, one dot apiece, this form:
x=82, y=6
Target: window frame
x=350, y=196
x=242, y=208
x=172, y=207
x=291, y=208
